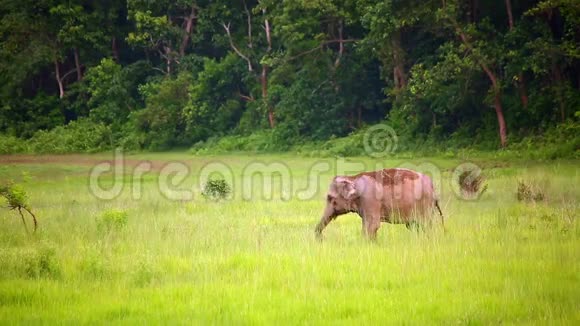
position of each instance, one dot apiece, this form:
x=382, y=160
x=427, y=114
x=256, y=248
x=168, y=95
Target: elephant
x=397, y=196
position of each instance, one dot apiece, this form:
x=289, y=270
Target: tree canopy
x=158, y=74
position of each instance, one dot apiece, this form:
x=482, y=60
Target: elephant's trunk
x=319, y=227
x=324, y=220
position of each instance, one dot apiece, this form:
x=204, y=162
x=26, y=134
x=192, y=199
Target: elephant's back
x=409, y=197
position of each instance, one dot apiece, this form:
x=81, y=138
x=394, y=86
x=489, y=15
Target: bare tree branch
x=246, y=97
x=68, y=73
x=341, y=45
x=159, y=69
x=350, y=40
x=58, y=78
x=249, y=19
x=23, y=220
x=267, y=28
x=236, y=50
x=33, y=217
x=319, y=47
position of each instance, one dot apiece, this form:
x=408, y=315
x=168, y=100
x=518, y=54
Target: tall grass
x=257, y=262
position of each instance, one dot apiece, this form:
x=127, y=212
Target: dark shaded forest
x=78, y=76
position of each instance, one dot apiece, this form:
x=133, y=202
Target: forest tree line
x=159, y=74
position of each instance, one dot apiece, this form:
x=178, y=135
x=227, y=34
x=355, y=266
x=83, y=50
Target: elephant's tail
x=441, y=214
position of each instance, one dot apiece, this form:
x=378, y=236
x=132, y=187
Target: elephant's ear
x=346, y=188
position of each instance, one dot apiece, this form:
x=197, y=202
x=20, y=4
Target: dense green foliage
x=162, y=74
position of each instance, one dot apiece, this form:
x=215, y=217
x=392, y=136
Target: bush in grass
x=472, y=186
x=112, y=220
x=529, y=192
x=145, y=272
x=216, y=189
x=42, y=263
x=94, y=265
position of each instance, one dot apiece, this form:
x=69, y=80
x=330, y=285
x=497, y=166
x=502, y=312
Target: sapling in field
x=16, y=198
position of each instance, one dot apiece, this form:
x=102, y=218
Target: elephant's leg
x=372, y=225
x=363, y=231
x=413, y=226
x=426, y=223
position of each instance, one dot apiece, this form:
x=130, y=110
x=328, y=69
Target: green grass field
x=257, y=261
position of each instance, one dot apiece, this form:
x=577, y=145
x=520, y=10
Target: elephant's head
x=340, y=199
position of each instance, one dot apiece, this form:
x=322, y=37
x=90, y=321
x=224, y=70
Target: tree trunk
x=334, y=68
x=340, y=45
x=264, y=82
x=474, y=8
x=350, y=120
x=500, y=118
x=508, y=6
x=558, y=84
x=58, y=79
x=264, y=75
x=497, y=105
x=522, y=89
x=78, y=64
x=520, y=82
x=399, y=77
x=495, y=88
x=115, y=49
x=168, y=59
x=434, y=118
x=249, y=20
x=188, y=28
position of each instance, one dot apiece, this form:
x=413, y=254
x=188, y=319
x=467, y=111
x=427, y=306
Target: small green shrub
x=94, y=266
x=529, y=192
x=216, y=189
x=42, y=263
x=145, y=272
x=112, y=220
